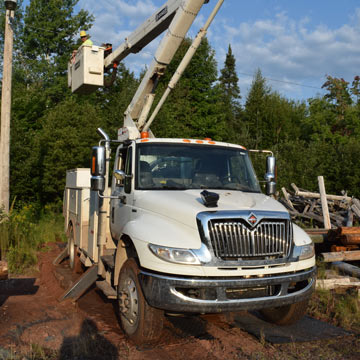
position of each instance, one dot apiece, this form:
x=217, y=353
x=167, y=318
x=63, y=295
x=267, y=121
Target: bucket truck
x=184, y=226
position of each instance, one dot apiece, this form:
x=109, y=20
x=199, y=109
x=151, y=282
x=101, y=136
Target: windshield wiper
x=172, y=187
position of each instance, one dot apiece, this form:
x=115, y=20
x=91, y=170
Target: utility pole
x=10, y=6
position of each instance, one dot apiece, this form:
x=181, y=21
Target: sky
x=295, y=43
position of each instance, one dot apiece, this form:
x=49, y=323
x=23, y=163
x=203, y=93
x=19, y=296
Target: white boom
x=138, y=110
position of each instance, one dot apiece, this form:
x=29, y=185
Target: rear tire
x=141, y=323
x=287, y=314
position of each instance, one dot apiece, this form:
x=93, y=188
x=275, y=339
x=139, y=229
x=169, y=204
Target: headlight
x=180, y=256
x=304, y=252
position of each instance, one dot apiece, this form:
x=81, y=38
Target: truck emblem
x=252, y=219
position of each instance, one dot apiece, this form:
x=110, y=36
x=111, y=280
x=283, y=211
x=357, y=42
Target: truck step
x=81, y=284
x=108, y=261
x=106, y=288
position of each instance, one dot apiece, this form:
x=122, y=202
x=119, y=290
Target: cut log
x=314, y=216
x=3, y=270
x=344, y=230
x=287, y=198
x=356, y=202
x=350, y=239
x=308, y=194
x=324, y=204
x=356, y=210
x=341, y=256
x=295, y=188
x=347, y=268
x=328, y=284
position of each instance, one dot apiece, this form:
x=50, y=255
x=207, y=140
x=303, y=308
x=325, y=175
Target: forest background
x=52, y=130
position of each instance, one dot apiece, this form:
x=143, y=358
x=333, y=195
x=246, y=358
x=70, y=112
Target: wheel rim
x=128, y=301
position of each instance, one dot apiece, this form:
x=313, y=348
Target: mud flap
x=63, y=255
x=81, y=284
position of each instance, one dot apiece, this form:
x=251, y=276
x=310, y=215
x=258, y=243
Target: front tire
x=287, y=314
x=141, y=322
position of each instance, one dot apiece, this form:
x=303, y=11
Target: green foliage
x=229, y=79
x=255, y=110
x=229, y=98
x=192, y=109
x=68, y=132
x=50, y=30
x=24, y=231
x=339, y=307
x=53, y=130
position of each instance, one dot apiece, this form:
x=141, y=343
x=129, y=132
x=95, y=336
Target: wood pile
x=333, y=280
x=318, y=210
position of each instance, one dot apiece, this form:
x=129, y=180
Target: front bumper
x=214, y=295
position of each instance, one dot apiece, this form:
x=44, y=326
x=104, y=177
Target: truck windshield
x=164, y=166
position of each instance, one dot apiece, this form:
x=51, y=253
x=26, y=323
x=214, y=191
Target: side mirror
x=98, y=168
x=270, y=176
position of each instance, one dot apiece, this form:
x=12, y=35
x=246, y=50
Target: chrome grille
x=233, y=239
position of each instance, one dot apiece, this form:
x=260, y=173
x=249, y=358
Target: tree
x=230, y=96
x=50, y=30
x=340, y=97
x=192, y=108
x=45, y=41
x=114, y=100
x=255, y=109
x=68, y=132
x=229, y=80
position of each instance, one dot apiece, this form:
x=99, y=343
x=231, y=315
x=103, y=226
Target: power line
x=286, y=82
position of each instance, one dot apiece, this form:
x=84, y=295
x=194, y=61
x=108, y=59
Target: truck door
x=120, y=208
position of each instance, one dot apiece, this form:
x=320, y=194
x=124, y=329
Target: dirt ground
x=32, y=318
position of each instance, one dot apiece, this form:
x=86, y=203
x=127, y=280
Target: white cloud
x=114, y=20
x=284, y=48
x=290, y=50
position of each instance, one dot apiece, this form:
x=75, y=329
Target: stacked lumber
x=333, y=280
x=321, y=210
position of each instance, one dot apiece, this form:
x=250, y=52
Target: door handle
x=122, y=199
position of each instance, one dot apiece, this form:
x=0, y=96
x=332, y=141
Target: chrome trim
x=231, y=281
x=268, y=241
x=161, y=291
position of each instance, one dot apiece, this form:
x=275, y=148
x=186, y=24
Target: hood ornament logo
x=252, y=219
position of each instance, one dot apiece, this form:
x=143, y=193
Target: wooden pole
x=308, y=194
x=6, y=113
x=324, y=204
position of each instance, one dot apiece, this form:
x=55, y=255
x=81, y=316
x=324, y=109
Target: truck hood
x=183, y=206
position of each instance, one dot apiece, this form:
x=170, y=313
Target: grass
x=339, y=307
x=35, y=352
x=24, y=232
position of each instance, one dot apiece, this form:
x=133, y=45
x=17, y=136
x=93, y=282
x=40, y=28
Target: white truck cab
x=189, y=231
x=183, y=226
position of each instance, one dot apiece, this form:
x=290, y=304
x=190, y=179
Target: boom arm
x=86, y=69
x=145, y=33
x=137, y=111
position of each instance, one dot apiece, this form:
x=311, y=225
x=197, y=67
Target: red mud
x=88, y=329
